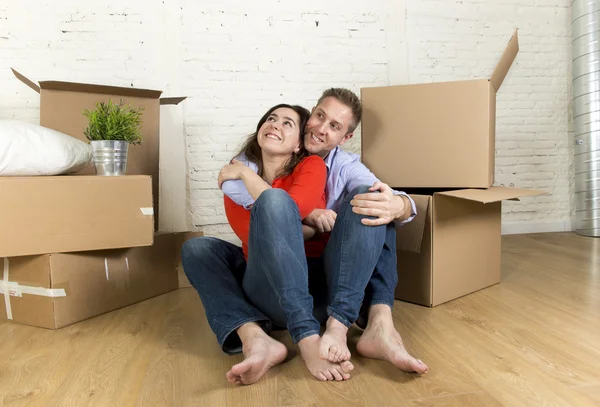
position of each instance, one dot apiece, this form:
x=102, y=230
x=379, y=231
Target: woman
x=277, y=150
x=287, y=186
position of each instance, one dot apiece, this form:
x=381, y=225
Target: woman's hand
x=232, y=171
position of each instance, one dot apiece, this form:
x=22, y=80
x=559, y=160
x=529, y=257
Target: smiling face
x=328, y=126
x=280, y=133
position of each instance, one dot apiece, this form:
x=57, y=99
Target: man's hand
x=233, y=170
x=321, y=219
x=384, y=206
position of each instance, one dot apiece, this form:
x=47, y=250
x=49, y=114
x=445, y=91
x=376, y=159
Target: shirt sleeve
x=308, y=184
x=236, y=189
x=357, y=174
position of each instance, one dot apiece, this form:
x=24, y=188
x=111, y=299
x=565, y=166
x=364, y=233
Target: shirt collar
x=329, y=157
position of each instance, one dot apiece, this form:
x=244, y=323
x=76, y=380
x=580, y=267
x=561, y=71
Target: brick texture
x=239, y=58
x=454, y=40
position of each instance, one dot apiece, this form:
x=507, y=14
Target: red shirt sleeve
x=308, y=185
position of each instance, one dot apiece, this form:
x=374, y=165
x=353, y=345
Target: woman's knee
x=198, y=247
x=274, y=196
x=274, y=201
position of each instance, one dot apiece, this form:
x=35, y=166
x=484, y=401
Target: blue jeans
x=278, y=286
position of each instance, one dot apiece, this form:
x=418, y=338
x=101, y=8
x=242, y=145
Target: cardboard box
x=453, y=246
x=62, y=105
x=437, y=135
x=56, y=290
x=54, y=214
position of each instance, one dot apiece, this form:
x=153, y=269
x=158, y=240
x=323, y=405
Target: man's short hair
x=348, y=98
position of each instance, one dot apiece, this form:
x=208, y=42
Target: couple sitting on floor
x=318, y=247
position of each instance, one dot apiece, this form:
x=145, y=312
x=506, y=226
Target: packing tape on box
x=147, y=211
x=9, y=288
x=106, y=266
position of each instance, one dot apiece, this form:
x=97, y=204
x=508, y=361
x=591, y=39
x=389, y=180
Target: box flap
x=26, y=81
x=410, y=235
x=172, y=100
x=509, y=55
x=100, y=89
x=493, y=194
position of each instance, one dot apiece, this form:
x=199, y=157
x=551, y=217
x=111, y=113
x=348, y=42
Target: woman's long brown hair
x=253, y=151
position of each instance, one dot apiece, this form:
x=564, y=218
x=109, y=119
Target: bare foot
x=261, y=352
x=333, y=345
x=381, y=341
x=322, y=369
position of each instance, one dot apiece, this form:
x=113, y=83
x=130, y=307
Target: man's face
x=327, y=127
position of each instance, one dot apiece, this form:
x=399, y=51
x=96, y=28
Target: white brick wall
x=241, y=58
x=237, y=58
x=451, y=40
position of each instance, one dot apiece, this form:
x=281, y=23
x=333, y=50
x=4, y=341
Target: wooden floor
x=533, y=340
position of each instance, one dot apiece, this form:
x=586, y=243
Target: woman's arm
x=252, y=181
x=308, y=232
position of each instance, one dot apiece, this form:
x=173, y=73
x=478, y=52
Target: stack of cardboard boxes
x=76, y=246
x=437, y=142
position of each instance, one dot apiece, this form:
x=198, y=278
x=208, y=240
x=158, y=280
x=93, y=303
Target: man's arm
x=387, y=205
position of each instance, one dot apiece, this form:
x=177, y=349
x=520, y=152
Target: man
x=359, y=260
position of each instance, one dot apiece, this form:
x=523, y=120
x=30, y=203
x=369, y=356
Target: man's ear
x=346, y=138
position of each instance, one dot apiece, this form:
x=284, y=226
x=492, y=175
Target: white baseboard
x=533, y=227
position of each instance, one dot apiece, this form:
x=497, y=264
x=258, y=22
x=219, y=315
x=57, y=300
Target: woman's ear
x=297, y=149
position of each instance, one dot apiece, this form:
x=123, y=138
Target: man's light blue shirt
x=344, y=173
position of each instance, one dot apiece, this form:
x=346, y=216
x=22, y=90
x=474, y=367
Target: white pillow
x=30, y=149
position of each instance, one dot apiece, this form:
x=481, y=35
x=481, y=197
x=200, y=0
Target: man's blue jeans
x=278, y=285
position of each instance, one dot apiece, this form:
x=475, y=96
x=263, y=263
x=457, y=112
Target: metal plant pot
x=110, y=157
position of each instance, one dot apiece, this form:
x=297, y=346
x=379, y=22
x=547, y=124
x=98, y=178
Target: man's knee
x=361, y=189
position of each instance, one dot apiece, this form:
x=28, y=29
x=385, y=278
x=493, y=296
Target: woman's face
x=280, y=133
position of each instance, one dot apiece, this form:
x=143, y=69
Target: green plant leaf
x=110, y=121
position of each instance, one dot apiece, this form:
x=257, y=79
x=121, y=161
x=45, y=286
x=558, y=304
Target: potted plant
x=111, y=129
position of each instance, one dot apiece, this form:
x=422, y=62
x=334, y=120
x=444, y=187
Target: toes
x=321, y=377
x=336, y=375
x=233, y=378
x=241, y=367
x=333, y=351
x=347, y=366
x=327, y=374
x=338, y=355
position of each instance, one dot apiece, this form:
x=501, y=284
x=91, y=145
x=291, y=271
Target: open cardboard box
x=62, y=105
x=53, y=214
x=453, y=246
x=56, y=290
x=445, y=130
